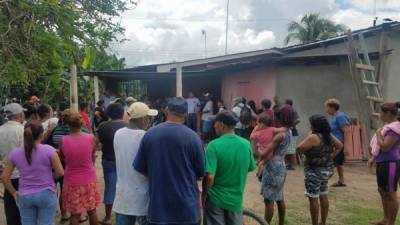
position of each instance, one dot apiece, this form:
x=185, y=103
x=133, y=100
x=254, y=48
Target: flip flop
x=64, y=220
x=84, y=220
x=338, y=184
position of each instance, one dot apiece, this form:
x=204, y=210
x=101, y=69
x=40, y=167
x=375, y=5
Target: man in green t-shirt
x=228, y=161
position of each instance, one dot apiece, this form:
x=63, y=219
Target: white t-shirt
x=193, y=104
x=11, y=137
x=207, y=111
x=45, y=124
x=132, y=195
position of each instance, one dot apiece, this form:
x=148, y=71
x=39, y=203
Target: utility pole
x=74, y=88
x=178, y=80
x=375, y=17
x=205, y=42
x=226, y=27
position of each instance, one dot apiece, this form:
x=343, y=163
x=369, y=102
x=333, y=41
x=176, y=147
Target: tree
x=312, y=28
x=42, y=38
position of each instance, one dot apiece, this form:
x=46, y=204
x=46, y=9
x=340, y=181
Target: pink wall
x=253, y=85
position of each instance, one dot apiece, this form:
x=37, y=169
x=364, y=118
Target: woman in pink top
x=81, y=193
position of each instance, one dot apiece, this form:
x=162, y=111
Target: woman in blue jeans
x=36, y=196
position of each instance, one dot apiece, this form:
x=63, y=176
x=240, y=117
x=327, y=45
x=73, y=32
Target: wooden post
x=74, y=88
x=96, y=89
x=178, y=80
x=383, y=54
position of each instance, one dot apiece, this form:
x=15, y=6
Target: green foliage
x=312, y=28
x=40, y=39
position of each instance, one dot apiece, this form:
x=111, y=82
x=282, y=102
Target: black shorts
x=387, y=175
x=339, y=158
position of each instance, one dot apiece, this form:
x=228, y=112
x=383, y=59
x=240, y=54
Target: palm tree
x=312, y=28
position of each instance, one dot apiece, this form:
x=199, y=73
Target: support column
x=96, y=89
x=178, y=80
x=74, y=88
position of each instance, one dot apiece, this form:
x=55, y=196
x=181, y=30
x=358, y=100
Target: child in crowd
x=260, y=138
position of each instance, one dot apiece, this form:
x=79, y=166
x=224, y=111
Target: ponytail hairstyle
x=320, y=125
x=31, y=134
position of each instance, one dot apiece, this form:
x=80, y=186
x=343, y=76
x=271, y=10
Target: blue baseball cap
x=177, y=105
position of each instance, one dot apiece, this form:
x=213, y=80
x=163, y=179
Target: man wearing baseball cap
x=171, y=156
x=132, y=199
x=130, y=100
x=11, y=136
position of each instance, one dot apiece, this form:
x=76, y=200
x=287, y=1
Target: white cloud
x=165, y=31
x=248, y=40
x=352, y=18
x=368, y=5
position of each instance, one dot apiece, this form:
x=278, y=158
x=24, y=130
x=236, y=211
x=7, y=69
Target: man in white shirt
x=207, y=115
x=132, y=195
x=11, y=137
x=49, y=122
x=193, y=109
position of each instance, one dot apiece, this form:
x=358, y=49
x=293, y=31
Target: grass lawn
x=356, y=204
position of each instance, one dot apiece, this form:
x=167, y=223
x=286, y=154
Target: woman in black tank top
x=319, y=147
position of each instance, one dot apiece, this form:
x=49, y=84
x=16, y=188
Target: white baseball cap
x=13, y=109
x=130, y=99
x=140, y=110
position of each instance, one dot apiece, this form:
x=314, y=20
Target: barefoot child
x=260, y=138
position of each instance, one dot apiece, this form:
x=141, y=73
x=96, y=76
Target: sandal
x=339, y=184
x=84, y=220
x=64, y=220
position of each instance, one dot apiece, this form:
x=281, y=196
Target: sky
x=162, y=31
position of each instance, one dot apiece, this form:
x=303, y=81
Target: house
x=307, y=73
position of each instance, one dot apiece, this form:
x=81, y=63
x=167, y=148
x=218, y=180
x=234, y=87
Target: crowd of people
x=153, y=159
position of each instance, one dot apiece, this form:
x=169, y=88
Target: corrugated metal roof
x=200, y=66
x=340, y=38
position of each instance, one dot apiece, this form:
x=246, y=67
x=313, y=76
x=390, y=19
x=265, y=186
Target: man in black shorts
x=338, y=121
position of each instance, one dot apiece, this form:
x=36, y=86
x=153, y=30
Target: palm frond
x=290, y=37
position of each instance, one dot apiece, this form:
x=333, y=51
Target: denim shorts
x=110, y=181
x=40, y=206
x=207, y=125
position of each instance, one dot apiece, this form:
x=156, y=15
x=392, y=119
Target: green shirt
x=229, y=158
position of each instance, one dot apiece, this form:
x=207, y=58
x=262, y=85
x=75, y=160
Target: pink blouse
x=78, y=152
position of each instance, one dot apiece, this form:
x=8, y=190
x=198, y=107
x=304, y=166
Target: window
x=134, y=88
